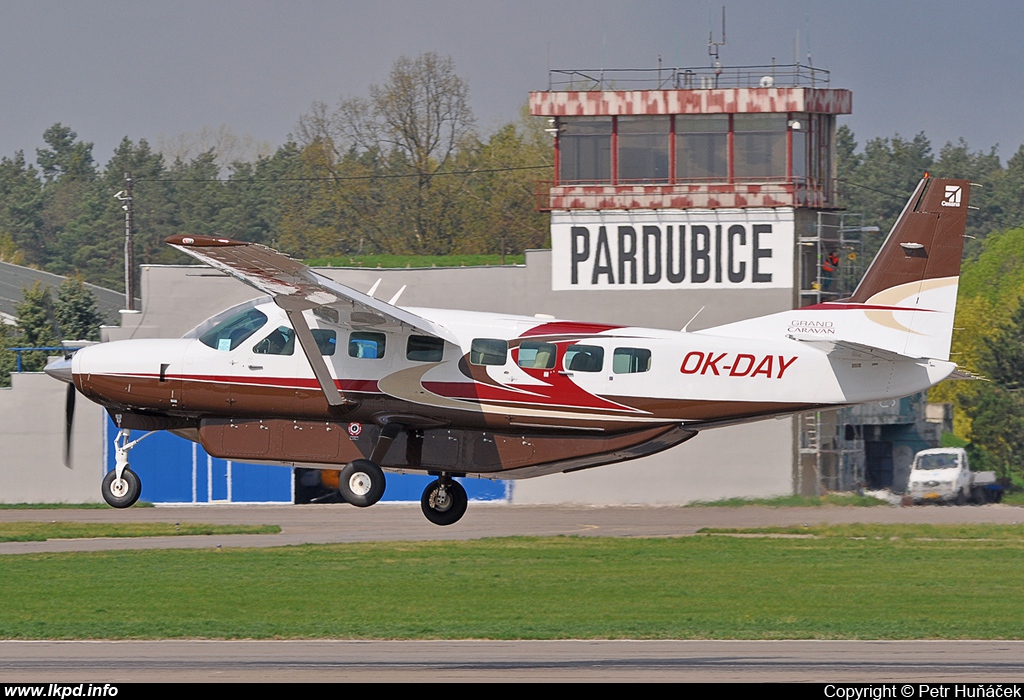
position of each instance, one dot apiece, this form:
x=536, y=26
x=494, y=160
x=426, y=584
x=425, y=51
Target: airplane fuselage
x=509, y=373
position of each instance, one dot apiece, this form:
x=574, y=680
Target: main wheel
x=361, y=483
x=444, y=507
x=123, y=492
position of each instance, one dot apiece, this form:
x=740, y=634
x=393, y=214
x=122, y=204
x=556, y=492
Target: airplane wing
x=297, y=288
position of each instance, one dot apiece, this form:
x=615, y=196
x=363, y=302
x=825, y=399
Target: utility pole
x=125, y=196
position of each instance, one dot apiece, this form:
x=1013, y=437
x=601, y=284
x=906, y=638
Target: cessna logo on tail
x=953, y=193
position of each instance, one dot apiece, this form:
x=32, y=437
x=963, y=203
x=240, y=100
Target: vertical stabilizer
x=911, y=285
x=906, y=301
x=926, y=243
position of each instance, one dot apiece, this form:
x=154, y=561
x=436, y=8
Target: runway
x=487, y=660
x=512, y=661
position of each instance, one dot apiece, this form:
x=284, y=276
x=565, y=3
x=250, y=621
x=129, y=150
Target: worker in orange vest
x=829, y=267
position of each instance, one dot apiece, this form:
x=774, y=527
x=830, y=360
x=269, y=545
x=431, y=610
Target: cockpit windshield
x=229, y=334
x=938, y=461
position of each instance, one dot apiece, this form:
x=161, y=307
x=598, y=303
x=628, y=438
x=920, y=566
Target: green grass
x=65, y=506
x=837, y=587
x=831, y=499
x=1014, y=499
x=40, y=532
x=394, y=261
x=870, y=531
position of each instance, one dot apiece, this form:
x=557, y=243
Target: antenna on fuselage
x=374, y=287
x=691, y=319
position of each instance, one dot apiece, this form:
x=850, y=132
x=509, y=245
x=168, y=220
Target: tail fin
x=906, y=300
x=911, y=285
x=926, y=243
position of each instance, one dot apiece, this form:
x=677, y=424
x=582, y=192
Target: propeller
x=69, y=422
x=61, y=369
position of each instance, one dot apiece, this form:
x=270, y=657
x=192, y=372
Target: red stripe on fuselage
x=568, y=328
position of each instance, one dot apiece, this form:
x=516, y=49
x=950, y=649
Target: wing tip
x=201, y=241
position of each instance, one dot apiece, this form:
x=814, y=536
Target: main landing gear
x=121, y=487
x=444, y=501
x=361, y=483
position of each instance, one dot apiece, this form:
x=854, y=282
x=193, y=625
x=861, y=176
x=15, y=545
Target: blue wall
x=174, y=470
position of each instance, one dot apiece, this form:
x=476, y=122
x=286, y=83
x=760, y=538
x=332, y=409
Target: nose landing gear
x=121, y=487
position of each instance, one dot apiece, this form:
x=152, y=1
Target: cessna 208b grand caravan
x=379, y=387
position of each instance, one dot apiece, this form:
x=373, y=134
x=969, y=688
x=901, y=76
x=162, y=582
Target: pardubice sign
x=672, y=249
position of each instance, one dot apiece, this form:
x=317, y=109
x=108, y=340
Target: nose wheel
x=444, y=501
x=123, y=491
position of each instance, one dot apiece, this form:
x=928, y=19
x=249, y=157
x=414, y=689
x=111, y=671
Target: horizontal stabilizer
x=967, y=374
x=848, y=350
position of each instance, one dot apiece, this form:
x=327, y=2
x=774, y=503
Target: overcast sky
x=148, y=70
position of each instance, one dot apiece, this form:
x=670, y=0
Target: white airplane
x=318, y=375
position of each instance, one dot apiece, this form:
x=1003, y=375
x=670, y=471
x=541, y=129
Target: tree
x=415, y=127
x=36, y=325
x=75, y=311
x=21, y=204
x=996, y=408
x=65, y=156
x=8, y=360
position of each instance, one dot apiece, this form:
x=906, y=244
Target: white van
x=940, y=475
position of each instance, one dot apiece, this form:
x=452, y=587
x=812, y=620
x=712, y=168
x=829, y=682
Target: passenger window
x=424, y=348
x=488, y=351
x=366, y=345
x=584, y=358
x=327, y=341
x=535, y=355
x=281, y=341
x=631, y=360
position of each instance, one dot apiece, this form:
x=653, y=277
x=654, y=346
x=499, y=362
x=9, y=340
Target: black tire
x=450, y=509
x=361, y=483
x=961, y=498
x=124, y=494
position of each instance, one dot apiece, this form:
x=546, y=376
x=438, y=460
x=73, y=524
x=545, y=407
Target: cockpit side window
x=281, y=341
x=233, y=332
x=327, y=341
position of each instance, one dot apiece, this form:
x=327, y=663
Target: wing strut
x=312, y=352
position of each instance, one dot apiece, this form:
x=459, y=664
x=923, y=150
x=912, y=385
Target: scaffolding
x=831, y=445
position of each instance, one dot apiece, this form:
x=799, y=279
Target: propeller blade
x=69, y=422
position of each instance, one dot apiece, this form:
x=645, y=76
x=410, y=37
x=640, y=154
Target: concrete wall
x=31, y=433
x=752, y=460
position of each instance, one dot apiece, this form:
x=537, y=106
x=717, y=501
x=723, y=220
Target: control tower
x=701, y=177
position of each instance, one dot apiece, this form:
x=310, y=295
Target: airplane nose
x=60, y=369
